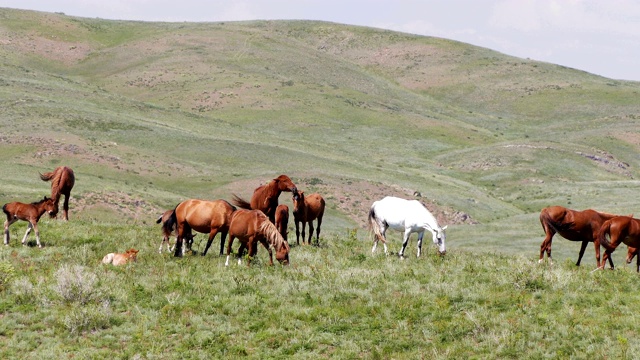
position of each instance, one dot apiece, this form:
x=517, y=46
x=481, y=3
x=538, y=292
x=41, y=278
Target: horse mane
x=39, y=202
x=272, y=234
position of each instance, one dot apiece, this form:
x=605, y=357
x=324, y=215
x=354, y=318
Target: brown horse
x=170, y=230
x=208, y=217
x=130, y=255
x=62, y=181
x=251, y=227
x=282, y=220
x=305, y=210
x=265, y=197
x=574, y=226
x=28, y=212
x=620, y=229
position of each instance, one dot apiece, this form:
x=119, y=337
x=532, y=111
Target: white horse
x=409, y=216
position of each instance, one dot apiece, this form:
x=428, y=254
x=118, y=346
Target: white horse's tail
x=373, y=224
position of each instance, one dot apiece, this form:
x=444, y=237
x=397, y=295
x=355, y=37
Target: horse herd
x=262, y=220
x=587, y=226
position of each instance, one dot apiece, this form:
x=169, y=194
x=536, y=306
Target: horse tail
x=602, y=234
x=54, y=177
x=373, y=223
x=272, y=234
x=171, y=223
x=47, y=176
x=4, y=209
x=240, y=202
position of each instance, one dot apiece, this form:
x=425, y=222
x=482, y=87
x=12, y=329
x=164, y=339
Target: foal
x=121, y=259
x=305, y=210
x=28, y=212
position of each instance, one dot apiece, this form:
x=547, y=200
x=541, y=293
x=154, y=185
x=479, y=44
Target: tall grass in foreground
x=335, y=300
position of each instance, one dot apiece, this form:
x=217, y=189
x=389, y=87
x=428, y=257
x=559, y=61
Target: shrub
x=75, y=284
x=92, y=317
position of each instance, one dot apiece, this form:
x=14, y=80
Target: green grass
x=336, y=300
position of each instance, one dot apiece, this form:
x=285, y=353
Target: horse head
x=50, y=206
x=298, y=202
x=439, y=237
x=284, y=183
x=282, y=254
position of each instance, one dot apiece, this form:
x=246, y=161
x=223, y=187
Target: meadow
x=151, y=114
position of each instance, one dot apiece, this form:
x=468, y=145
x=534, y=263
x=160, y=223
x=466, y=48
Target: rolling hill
x=149, y=114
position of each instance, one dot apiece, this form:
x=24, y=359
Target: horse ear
x=445, y=227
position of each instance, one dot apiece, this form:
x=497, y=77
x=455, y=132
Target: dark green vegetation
x=149, y=114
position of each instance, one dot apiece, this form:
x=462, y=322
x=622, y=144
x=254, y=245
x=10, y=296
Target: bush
x=75, y=284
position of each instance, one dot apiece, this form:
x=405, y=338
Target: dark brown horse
x=265, y=197
x=282, y=220
x=62, y=181
x=252, y=227
x=305, y=210
x=28, y=212
x=574, y=226
x=167, y=231
x=208, y=217
x=620, y=229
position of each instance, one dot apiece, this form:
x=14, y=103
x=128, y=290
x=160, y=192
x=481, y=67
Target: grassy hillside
x=150, y=114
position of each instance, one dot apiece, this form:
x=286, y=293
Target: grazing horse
x=251, y=227
x=572, y=225
x=208, y=217
x=620, y=229
x=28, y=212
x=265, y=197
x=62, y=181
x=170, y=230
x=282, y=220
x=130, y=255
x=305, y=210
x=408, y=216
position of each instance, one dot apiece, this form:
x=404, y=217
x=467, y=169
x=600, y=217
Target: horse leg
x=26, y=234
x=420, y=236
x=65, y=206
x=231, y=238
x=35, y=228
x=241, y=250
x=266, y=246
x=304, y=225
x=310, y=231
x=212, y=234
x=546, y=244
x=583, y=246
x=298, y=233
x=405, y=242
x=165, y=239
x=223, y=237
x=318, y=230
x=8, y=223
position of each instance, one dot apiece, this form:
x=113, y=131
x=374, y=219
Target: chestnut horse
x=282, y=220
x=208, y=217
x=572, y=225
x=170, y=230
x=265, y=197
x=251, y=227
x=121, y=259
x=620, y=229
x=62, y=181
x=28, y=212
x=305, y=210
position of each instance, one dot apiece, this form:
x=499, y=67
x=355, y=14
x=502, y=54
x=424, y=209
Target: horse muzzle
x=442, y=253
